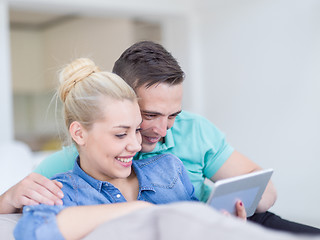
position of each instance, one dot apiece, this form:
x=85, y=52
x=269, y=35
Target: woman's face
x=109, y=146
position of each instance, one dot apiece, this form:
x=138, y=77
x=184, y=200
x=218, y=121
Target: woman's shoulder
x=64, y=177
x=160, y=160
x=69, y=180
x=164, y=166
x=164, y=172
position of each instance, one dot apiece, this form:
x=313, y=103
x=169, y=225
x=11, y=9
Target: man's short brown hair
x=147, y=63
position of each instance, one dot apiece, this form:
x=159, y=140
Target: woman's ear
x=77, y=133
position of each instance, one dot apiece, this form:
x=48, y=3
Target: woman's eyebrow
x=126, y=127
x=121, y=126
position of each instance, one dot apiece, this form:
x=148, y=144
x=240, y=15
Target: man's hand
x=32, y=190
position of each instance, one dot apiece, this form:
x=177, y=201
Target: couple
x=102, y=115
x=157, y=79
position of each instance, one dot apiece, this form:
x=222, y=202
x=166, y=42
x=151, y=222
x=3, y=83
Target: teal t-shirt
x=195, y=140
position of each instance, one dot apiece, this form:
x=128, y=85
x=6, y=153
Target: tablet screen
x=248, y=188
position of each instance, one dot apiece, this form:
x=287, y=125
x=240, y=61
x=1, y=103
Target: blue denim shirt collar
x=144, y=183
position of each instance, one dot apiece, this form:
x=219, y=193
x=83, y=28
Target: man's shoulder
x=66, y=152
x=189, y=120
x=185, y=115
x=190, y=116
x=192, y=130
x=58, y=162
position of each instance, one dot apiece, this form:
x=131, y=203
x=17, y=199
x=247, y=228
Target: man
x=157, y=79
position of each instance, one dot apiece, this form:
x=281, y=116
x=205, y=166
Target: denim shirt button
x=118, y=195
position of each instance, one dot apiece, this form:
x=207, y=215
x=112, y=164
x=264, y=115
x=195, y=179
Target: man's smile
x=152, y=139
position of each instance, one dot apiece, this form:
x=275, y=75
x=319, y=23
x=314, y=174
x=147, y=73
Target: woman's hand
x=240, y=211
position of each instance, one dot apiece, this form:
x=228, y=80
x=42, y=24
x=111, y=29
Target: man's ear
x=77, y=133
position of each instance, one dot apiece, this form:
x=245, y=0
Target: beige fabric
x=184, y=220
x=7, y=224
x=187, y=221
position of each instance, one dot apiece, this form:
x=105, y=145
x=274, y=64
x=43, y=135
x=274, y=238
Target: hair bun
x=76, y=71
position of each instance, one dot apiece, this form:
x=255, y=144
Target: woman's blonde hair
x=82, y=86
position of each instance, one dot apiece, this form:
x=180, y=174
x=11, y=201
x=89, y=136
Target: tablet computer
x=248, y=188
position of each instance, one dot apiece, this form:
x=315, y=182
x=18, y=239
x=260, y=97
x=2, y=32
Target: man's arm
x=238, y=164
x=35, y=188
x=32, y=190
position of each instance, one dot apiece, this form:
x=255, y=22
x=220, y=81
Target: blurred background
x=252, y=67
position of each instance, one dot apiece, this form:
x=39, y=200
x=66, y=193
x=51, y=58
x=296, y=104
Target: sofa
x=184, y=220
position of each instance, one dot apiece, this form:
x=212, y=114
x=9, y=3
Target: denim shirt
x=162, y=179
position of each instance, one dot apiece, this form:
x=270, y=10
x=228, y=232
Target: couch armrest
x=7, y=224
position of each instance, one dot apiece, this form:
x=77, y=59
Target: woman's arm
x=77, y=222
x=73, y=222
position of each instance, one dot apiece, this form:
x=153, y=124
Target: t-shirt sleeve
x=216, y=149
x=61, y=161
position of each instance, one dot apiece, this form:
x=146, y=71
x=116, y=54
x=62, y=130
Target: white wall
x=5, y=90
x=101, y=39
x=37, y=56
x=181, y=37
x=261, y=65
x=27, y=61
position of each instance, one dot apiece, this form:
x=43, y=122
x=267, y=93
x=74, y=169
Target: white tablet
x=248, y=188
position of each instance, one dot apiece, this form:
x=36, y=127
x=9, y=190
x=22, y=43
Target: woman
x=103, y=119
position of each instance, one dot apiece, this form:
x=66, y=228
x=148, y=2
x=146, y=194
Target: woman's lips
x=124, y=159
x=125, y=162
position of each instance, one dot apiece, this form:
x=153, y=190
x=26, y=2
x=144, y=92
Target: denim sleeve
x=69, y=188
x=39, y=222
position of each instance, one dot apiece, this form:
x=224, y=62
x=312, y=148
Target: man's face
x=159, y=106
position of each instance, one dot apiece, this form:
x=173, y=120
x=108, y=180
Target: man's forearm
x=5, y=206
x=268, y=198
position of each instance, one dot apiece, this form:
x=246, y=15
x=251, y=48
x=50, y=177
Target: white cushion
x=16, y=162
